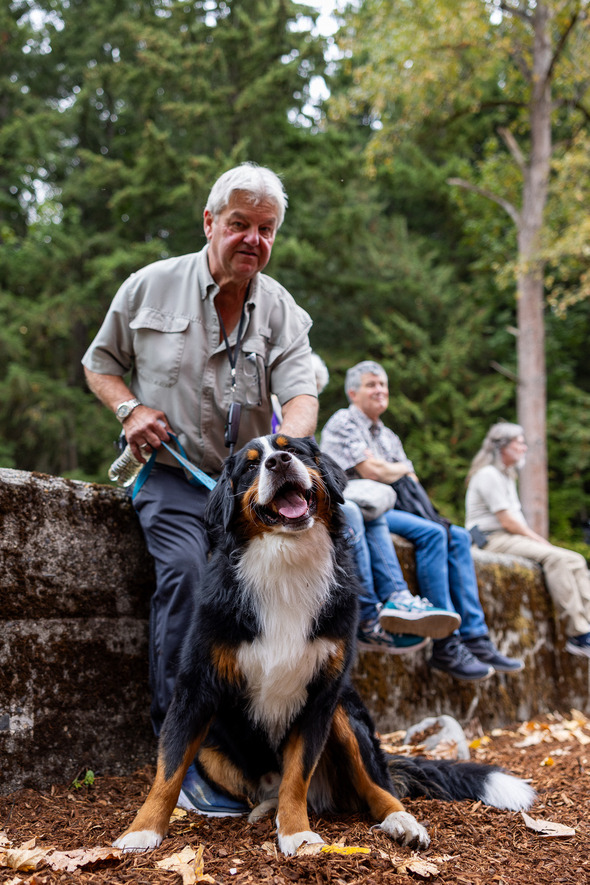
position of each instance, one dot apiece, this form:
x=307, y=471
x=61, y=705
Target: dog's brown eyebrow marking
x=282, y=441
x=252, y=454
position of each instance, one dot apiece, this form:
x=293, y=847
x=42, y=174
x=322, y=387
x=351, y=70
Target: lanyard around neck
x=232, y=354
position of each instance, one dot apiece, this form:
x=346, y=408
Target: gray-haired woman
x=493, y=508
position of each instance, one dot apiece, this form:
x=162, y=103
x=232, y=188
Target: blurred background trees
x=115, y=118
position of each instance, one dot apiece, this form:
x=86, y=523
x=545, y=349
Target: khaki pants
x=566, y=576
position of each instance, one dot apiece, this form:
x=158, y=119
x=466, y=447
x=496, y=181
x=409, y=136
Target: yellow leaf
x=547, y=761
x=341, y=849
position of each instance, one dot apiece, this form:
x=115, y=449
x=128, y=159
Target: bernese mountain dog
x=263, y=698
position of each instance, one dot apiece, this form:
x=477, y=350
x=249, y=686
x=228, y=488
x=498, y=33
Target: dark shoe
x=485, y=651
x=579, y=645
x=452, y=657
x=406, y=613
x=197, y=795
x=372, y=637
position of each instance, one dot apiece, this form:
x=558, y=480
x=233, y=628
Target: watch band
x=124, y=409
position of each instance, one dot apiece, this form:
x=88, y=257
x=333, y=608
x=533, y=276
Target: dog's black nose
x=281, y=459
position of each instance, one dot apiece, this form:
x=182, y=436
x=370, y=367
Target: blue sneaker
x=579, y=645
x=372, y=637
x=406, y=613
x=197, y=795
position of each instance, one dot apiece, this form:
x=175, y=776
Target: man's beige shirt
x=163, y=329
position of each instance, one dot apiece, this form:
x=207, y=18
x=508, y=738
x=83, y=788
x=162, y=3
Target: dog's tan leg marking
x=221, y=770
x=384, y=807
x=380, y=801
x=292, y=820
x=151, y=821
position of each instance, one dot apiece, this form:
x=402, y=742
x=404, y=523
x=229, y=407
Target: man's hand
x=145, y=429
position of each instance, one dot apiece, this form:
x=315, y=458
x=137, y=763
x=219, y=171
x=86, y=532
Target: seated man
x=382, y=580
x=357, y=438
x=493, y=507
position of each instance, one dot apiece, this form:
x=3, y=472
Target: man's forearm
x=300, y=416
x=383, y=471
x=111, y=390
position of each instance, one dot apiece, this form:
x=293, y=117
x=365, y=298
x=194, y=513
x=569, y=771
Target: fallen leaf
x=270, y=848
x=183, y=863
x=4, y=840
x=548, y=761
x=344, y=849
x=80, y=857
x=424, y=868
x=22, y=858
x=178, y=814
x=547, y=828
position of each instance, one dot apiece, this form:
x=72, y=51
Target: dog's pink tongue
x=292, y=505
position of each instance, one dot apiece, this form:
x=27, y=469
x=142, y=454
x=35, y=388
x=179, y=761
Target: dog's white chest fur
x=287, y=577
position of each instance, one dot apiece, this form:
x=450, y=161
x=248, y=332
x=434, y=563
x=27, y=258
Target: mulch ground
x=471, y=844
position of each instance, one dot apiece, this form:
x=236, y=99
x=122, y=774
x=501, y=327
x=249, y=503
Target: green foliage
x=117, y=116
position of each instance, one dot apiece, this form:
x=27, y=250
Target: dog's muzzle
x=285, y=491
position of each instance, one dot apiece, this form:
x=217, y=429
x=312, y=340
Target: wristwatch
x=123, y=410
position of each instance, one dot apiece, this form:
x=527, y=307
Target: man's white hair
x=261, y=185
x=354, y=375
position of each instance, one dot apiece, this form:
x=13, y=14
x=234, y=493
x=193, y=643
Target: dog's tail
x=444, y=779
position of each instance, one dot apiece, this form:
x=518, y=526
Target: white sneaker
x=404, y=613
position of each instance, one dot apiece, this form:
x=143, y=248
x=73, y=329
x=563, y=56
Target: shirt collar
x=364, y=420
x=209, y=287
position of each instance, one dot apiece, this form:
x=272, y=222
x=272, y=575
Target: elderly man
x=364, y=447
x=493, y=510
x=199, y=335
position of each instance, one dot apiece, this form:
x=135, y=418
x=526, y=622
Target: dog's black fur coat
x=264, y=725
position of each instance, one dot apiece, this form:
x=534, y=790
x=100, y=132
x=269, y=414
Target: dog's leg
x=151, y=822
x=292, y=820
x=383, y=805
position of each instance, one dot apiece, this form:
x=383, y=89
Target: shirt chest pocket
x=159, y=344
x=251, y=374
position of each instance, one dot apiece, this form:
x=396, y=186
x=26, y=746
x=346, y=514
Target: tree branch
x=512, y=145
x=505, y=204
x=562, y=41
x=503, y=371
x=519, y=13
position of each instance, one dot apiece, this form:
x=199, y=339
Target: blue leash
x=198, y=477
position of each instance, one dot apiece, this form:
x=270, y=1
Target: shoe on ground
x=485, y=651
x=579, y=645
x=454, y=658
x=405, y=613
x=197, y=795
x=372, y=637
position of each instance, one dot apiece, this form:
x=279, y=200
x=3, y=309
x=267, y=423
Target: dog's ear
x=334, y=477
x=221, y=504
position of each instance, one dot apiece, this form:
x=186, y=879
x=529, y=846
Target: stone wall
x=75, y=583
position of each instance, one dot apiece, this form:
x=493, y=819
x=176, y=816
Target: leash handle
x=198, y=476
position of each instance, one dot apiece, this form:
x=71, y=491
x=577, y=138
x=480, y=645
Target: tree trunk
x=532, y=399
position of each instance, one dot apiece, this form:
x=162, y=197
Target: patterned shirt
x=349, y=437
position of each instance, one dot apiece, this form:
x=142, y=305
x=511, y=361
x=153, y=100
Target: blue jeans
x=377, y=565
x=444, y=568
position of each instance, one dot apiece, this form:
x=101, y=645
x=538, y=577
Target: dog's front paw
x=406, y=830
x=290, y=844
x=260, y=811
x=140, y=840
